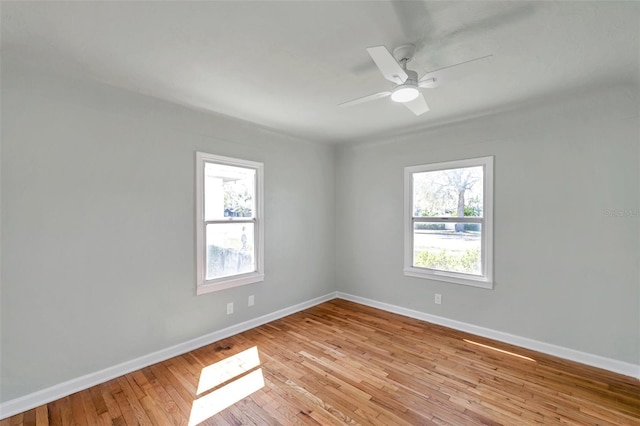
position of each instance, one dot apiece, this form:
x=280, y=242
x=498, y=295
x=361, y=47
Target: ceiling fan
x=407, y=88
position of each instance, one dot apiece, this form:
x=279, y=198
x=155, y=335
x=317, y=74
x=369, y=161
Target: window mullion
x=456, y=219
x=227, y=221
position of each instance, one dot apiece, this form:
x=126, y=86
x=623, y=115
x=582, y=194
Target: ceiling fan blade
x=418, y=106
x=365, y=99
x=389, y=67
x=428, y=82
x=427, y=75
x=447, y=74
x=415, y=20
x=508, y=14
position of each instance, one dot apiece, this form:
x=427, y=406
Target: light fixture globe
x=404, y=93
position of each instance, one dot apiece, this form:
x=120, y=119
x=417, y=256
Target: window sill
x=450, y=277
x=229, y=282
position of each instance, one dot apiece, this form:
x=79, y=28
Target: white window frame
x=203, y=285
x=486, y=279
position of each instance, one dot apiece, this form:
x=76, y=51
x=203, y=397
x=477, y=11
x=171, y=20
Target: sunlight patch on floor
x=500, y=350
x=222, y=371
x=240, y=386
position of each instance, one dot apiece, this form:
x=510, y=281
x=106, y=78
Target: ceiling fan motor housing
x=408, y=90
x=412, y=78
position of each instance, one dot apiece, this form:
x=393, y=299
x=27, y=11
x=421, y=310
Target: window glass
x=230, y=249
x=453, y=192
x=440, y=246
x=229, y=191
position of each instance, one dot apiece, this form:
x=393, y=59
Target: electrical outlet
x=438, y=299
x=229, y=308
x=251, y=301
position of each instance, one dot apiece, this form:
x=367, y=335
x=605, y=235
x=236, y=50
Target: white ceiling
x=287, y=64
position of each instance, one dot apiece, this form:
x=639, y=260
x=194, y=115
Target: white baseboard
x=609, y=364
x=44, y=396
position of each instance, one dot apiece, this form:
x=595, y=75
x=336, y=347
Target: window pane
x=452, y=192
x=452, y=247
x=230, y=249
x=229, y=191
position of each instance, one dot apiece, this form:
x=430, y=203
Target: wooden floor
x=344, y=363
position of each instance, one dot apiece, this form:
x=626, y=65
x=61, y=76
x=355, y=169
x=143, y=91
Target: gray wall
x=566, y=271
x=98, y=225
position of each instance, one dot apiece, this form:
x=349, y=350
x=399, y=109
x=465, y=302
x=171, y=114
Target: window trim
x=484, y=281
x=203, y=285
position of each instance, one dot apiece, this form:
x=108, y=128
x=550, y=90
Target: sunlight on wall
x=499, y=350
x=241, y=385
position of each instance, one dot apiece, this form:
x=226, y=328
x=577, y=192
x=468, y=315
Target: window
x=448, y=221
x=230, y=230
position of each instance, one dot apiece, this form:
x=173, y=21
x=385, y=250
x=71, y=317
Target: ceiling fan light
x=404, y=93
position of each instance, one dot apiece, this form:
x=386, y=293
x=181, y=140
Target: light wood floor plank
x=340, y=363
